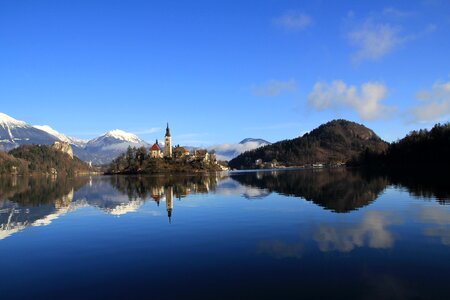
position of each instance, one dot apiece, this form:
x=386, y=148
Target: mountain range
x=102, y=149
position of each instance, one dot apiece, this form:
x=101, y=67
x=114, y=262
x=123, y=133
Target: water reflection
x=26, y=202
x=338, y=190
x=438, y=223
x=372, y=232
x=32, y=201
x=328, y=234
x=423, y=184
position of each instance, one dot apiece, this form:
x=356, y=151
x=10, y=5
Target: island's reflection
x=26, y=202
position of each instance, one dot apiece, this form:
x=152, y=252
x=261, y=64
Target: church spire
x=167, y=130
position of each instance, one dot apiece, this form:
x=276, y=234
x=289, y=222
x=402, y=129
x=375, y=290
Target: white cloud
x=229, y=151
x=366, y=100
x=294, y=20
x=274, y=88
x=374, y=40
x=435, y=104
x=394, y=12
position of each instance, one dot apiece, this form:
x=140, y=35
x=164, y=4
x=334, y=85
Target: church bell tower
x=168, y=143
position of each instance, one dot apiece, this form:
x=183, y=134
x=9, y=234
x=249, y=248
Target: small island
x=168, y=160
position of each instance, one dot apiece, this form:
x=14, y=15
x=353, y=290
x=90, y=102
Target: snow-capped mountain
x=229, y=151
x=110, y=145
x=115, y=137
x=14, y=133
x=62, y=137
x=100, y=150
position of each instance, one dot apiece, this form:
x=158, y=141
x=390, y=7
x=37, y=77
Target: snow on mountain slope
x=122, y=135
x=6, y=120
x=105, y=148
x=100, y=150
x=113, y=138
x=62, y=137
x=14, y=133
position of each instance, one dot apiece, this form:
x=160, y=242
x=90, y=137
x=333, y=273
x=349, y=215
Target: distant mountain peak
x=260, y=141
x=123, y=135
x=108, y=146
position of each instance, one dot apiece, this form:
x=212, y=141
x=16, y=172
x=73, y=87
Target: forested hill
x=421, y=149
x=40, y=159
x=334, y=142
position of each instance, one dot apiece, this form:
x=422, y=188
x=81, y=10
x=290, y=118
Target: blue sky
x=221, y=71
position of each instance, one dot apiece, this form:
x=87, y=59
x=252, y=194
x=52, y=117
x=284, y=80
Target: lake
x=340, y=234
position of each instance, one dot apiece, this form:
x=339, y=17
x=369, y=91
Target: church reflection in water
x=26, y=202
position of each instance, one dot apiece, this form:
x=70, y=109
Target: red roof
x=155, y=147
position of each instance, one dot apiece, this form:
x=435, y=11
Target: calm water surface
x=264, y=235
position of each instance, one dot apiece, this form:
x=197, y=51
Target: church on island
x=179, y=152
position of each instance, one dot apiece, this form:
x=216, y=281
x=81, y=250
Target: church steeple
x=167, y=130
x=167, y=143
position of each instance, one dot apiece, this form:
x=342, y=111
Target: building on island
x=204, y=155
x=168, y=143
x=155, y=150
x=180, y=152
x=201, y=154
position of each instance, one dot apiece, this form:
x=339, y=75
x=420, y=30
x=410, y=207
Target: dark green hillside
x=422, y=149
x=334, y=142
x=42, y=159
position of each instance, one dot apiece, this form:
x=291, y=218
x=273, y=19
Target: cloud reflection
x=371, y=232
x=439, y=219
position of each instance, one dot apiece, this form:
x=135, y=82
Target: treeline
x=138, y=161
x=422, y=149
x=40, y=159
